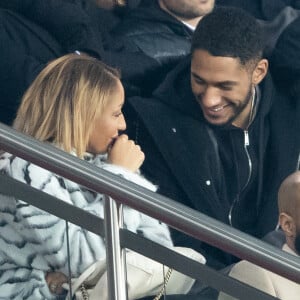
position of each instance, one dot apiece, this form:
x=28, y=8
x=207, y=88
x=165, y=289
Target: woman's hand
x=55, y=281
x=125, y=153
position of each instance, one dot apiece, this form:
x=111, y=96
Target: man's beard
x=237, y=110
x=248, y=99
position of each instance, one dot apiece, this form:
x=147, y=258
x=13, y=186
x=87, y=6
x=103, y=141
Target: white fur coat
x=33, y=241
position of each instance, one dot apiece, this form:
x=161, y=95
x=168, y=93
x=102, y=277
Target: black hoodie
x=207, y=168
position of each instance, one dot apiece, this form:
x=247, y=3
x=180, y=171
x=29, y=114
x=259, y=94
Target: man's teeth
x=218, y=108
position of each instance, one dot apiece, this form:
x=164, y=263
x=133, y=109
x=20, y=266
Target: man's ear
x=260, y=71
x=287, y=224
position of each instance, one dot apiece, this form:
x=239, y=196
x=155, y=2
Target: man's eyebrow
x=195, y=75
x=226, y=82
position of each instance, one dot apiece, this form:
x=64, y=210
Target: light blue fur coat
x=33, y=242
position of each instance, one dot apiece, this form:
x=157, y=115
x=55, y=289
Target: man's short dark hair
x=229, y=32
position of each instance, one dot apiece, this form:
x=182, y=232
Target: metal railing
x=172, y=213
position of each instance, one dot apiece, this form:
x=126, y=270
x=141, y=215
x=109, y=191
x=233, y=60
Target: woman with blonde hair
x=75, y=103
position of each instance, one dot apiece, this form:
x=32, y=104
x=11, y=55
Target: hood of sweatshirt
x=175, y=91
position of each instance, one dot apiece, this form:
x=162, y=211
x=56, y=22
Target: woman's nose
x=122, y=123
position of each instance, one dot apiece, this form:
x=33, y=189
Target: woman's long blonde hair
x=62, y=103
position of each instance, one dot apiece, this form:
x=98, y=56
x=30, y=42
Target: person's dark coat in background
x=285, y=61
x=25, y=49
x=274, y=16
x=33, y=32
x=151, y=30
x=155, y=32
x=261, y=9
x=201, y=166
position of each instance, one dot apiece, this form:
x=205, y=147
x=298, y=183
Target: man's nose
x=210, y=97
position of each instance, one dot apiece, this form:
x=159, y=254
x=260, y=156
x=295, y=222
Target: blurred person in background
x=161, y=29
x=289, y=220
x=36, y=32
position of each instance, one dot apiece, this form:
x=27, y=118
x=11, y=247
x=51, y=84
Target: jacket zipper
x=236, y=200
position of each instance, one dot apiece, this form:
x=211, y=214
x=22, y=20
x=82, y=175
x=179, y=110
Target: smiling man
x=223, y=139
x=224, y=90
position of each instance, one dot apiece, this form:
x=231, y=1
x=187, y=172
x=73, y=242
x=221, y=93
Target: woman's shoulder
x=7, y=160
x=23, y=170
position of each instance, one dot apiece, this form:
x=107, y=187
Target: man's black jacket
x=154, y=32
x=205, y=167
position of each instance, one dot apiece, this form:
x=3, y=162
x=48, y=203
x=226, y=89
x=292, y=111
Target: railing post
x=116, y=277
